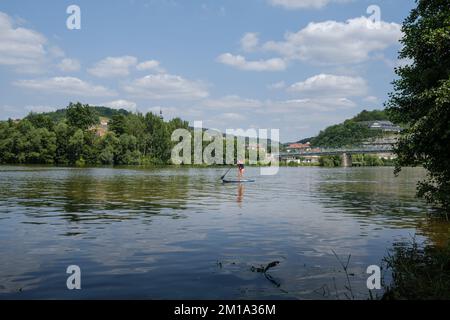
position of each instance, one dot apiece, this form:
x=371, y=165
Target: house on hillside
x=385, y=126
x=101, y=129
x=299, y=147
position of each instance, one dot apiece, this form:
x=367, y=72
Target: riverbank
x=419, y=272
x=156, y=165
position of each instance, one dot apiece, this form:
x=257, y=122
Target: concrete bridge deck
x=345, y=153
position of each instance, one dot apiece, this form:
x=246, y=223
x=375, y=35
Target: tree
x=75, y=147
x=345, y=134
x=374, y=115
x=64, y=137
x=118, y=124
x=7, y=131
x=109, y=149
x=128, y=153
x=42, y=146
x=421, y=98
x=81, y=116
x=159, y=138
x=62, y=143
x=39, y=120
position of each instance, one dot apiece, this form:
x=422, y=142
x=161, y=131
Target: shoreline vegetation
x=418, y=271
x=79, y=136
x=85, y=136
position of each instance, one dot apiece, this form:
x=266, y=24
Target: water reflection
x=162, y=233
x=388, y=199
x=240, y=194
x=96, y=194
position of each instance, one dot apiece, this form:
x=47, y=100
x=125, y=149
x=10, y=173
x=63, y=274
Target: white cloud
x=331, y=86
x=313, y=104
x=121, y=104
x=149, y=65
x=65, y=85
x=56, y=52
x=239, y=62
x=113, y=67
x=333, y=42
x=20, y=47
x=321, y=104
x=69, y=65
x=166, y=86
x=232, y=101
x=303, y=4
x=249, y=41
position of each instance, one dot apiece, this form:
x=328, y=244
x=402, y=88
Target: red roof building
x=299, y=146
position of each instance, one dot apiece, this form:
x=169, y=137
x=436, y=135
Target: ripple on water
x=181, y=233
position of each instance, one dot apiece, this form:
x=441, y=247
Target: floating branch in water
x=264, y=269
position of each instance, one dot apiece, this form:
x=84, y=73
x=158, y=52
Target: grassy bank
x=419, y=272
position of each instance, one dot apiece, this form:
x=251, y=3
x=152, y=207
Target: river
x=169, y=233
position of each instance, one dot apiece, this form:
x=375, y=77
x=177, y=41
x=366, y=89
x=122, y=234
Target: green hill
x=105, y=112
x=352, y=131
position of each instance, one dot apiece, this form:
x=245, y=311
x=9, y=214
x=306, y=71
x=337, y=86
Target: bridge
x=344, y=153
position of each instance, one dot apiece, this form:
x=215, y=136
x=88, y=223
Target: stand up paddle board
x=237, y=181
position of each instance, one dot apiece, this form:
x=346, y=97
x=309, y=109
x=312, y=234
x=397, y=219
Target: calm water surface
x=181, y=234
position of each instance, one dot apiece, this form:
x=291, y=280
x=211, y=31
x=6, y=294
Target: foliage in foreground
x=422, y=98
x=419, y=273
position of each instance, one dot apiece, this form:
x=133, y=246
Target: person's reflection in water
x=240, y=194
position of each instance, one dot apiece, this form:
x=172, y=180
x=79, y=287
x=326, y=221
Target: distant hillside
x=352, y=131
x=105, y=112
x=375, y=115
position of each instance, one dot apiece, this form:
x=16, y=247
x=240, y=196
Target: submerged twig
x=264, y=269
x=345, y=267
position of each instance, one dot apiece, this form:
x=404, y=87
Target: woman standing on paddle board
x=241, y=169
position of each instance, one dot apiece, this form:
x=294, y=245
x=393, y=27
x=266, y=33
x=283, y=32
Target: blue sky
x=293, y=65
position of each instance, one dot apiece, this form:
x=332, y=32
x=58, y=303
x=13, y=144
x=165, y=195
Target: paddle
x=221, y=178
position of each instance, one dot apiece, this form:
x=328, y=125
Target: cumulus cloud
x=65, y=85
x=167, y=86
x=303, y=4
x=333, y=42
x=20, y=47
x=331, y=86
x=149, y=65
x=240, y=62
x=113, y=67
x=121, y=104
x=69, y=65
x=249, y=41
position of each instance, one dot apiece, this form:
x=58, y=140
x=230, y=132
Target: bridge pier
x=346, y=160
